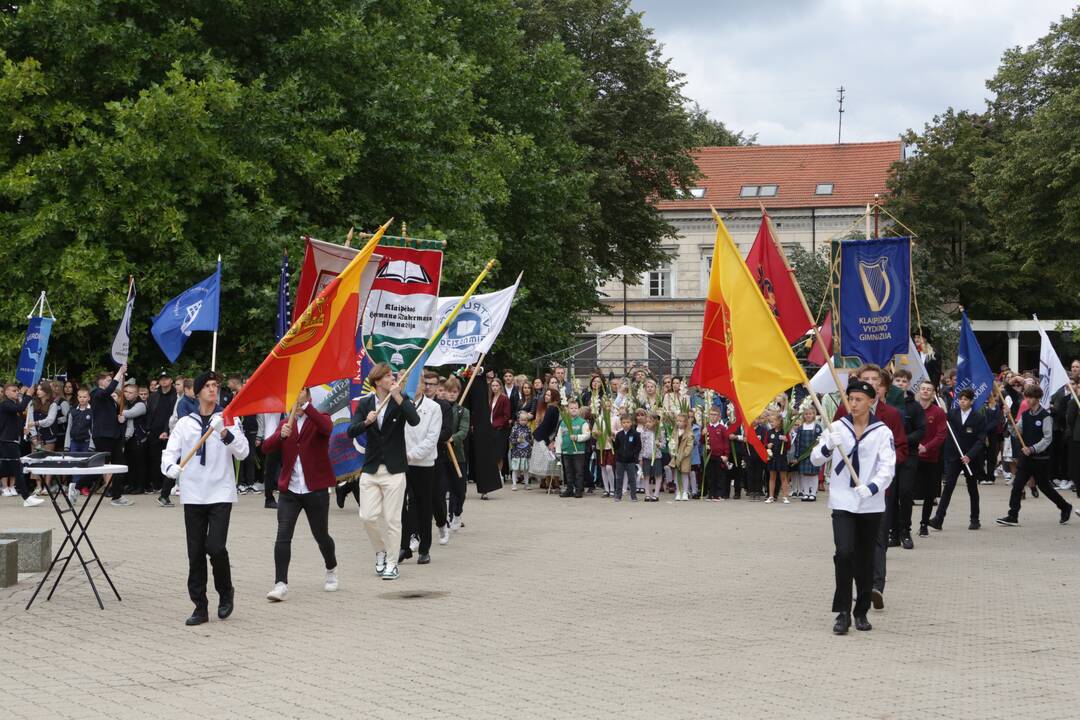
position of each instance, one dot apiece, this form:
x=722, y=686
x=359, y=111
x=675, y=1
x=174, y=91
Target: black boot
x=843, y=623
x=198, y=617
x=923, y=532
x=861, y=623
x=893, y=541
x=225, y=605
x=905, y=541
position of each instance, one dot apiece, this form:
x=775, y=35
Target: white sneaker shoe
x=455, y=523
x=279, y=593
x=33, y=501
x=175, y=491
x=444, y=534
x=331, y=584
x=414, y=543
x=73, y=494
x=380, y=563
x=786, y=501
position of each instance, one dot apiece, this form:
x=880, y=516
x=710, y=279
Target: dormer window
x=749, y=191
x=823, y=189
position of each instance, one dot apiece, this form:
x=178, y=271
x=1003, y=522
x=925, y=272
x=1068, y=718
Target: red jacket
x=936, y=431
x=500, y=412
x=719, y=442
x=312, y=444
x=891, y=417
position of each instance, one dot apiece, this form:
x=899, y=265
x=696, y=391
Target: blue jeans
x=630, y=471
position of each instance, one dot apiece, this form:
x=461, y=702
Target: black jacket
x=105, y=412
x=627, y=444
x=159, y=408
x=914, y=418
x=11, y=418
x=385, y=445
x=970, y=435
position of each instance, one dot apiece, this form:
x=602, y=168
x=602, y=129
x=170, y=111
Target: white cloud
x=773, y=67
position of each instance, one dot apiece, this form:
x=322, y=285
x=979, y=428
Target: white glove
x=174, y=472
x=862, y=491
x=835, y=439
x=217, y=423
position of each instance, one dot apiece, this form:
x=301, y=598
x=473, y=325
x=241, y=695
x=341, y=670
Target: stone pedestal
x=35, y=547
x=9, y=563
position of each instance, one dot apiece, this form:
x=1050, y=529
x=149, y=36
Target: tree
x=709, y=132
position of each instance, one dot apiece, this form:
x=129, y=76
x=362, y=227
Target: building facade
x=812, y=192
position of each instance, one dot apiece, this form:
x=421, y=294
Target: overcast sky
x=772, y=67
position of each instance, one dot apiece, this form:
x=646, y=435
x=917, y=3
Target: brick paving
x=549, y=608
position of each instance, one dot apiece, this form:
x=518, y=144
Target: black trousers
x=755, y=473
x=451, y=484
x=135, y=457
x=154, y=478
x=928, y=479
x=1074, y=464
x=953, y=469
x=574, y=473
x=115, y=448
x=207, y=529
x=854, y=535
x=903, y=497
x=271, y=470
x=420, y=488
x=316, y=506
x=249, y=466
x=1026, y=469
x=987, y=467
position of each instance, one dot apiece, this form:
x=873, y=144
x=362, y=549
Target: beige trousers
x=381, y=496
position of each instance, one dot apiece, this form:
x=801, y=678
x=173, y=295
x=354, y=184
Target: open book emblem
x=403, y=271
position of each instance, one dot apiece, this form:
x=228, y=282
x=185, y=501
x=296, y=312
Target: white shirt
x=877, y=461
x=964, y=414
x=422, y=439
x=297, y=483
x=382, y=413
x=212, y=481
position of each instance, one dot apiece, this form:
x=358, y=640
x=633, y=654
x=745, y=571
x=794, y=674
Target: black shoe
x=424, y=559
x=843, y=623
x=566, y=494
x=893, y=541
x=905, y=542
x=935, y=523
x=1034, y=492
x=270, y=504
x=861, y=623
x=578, y=495
x=225, y=606
x=197, y=618
x=877, y=599
x=341, y=492
x=974, y=525
x=590, y=491
x=1007, y=521
x=1066, y=514
x=923, y=532
x=404, y=555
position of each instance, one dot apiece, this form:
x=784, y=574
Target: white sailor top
x=208, y=478
x=874, y=457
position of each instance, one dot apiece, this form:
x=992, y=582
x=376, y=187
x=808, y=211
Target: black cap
x=205, y=378
x=165, y=374
x=863, y=387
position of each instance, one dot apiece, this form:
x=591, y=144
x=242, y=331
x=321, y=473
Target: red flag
x=816, y=356
x=777, y=284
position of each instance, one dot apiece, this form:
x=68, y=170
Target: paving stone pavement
x=549, y=608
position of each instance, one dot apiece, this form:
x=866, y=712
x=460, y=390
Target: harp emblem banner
x=875, y=298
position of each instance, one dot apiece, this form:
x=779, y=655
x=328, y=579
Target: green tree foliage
x=710, y=132
x=144, y=138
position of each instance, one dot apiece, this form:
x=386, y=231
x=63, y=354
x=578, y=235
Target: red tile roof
x=856, y=170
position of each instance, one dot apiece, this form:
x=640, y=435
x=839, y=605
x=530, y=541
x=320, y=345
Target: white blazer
x=877, y=463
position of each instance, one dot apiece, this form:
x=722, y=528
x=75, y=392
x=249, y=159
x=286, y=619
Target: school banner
x=400, y=313
x=475, y=327
x=333, y=399
x=32, y=357
x=875, y=298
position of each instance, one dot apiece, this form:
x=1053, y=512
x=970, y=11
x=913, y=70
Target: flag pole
x=461, y=401
x=1068, y=382
x=213, y=345
x=437, y=335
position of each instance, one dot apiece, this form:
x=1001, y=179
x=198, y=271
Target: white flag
x=822, y=382
x=122, y=342
x=474, y=328
x=1052, y=375
x=912, y=362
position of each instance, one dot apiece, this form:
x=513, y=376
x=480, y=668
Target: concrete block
x=35, y=547
x=9, y=563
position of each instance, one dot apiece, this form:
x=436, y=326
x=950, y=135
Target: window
x=767, y=191
x=758, y=191
x=748, y=191
x=706, y=268
x=659, y=282
x=823, y=189
x=694, y=192
x=697, y=192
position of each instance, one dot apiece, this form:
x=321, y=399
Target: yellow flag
x=761, y=361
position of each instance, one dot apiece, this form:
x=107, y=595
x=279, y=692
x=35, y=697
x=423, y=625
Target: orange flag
x=318, y=348
x=744, y=355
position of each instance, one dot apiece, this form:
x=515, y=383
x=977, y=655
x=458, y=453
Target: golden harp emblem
x=875, y=283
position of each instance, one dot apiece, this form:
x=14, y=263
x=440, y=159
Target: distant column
x=1014, y=350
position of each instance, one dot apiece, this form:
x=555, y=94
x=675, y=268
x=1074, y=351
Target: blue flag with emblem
x=194, y=309
x=875, y=298
x=32, y=357
x=972, y=370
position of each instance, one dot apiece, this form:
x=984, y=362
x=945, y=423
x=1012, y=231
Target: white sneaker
x=380, y=562
x=279, y=593
x=455, y=523
x=33, y=501
x=258, y=487
x=8, y=492
x=331, y=584
x=786, y=501
x=769, y=500
x=73, y=494
x=444, y=534
x=414, y=543
x=175, y=491
x=514, y=488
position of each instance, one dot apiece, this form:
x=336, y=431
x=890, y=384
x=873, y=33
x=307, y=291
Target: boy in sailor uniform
x=857, y=508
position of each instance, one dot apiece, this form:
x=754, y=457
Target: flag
x=122, y=341
x=1052, y=375
x=744, y=355
x=875, y=298
x=32, y=356
x=912, y=362
x=282, y=321
x=483, y=455
x=334, y=400
x=777, y=283
x=822, y=383
x=323, y=261
x=816, y=356
x=475, y=328
x=194, y=309
x=972, y=370
x=400, y=316
x=318, y=348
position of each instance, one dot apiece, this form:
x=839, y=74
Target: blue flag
x=284, y=312
x=32, y=357
x=972, y=370
x=875, y=298
x=194, y=309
